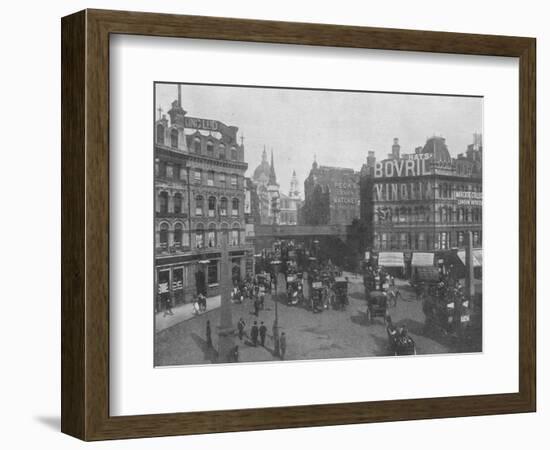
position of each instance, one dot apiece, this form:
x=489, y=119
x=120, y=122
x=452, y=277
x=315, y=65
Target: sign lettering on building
x=469, y=198
x=208, y=125
x=404, y=167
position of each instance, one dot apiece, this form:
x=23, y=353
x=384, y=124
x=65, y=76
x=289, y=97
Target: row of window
x=443, y=214
x=213, y=209
x=203, y=237
x=198, y=176
x=197, y=145
x=424, y=241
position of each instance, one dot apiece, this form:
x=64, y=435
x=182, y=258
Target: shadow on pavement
x=210, y=354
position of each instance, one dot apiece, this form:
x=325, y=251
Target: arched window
x=222, y=151
x=211, y=206
x=163, y=202
x=199, y=205
x=178, y=202
x=197, y=145
x=178, y=234
x=235, y=234
x=163, y=235
x=211, y=239
x=210, y=148
x=223, y=206
x=235, y=207
x=174, y=138
x=199, y=236
x=233, y=153
x=160, y=134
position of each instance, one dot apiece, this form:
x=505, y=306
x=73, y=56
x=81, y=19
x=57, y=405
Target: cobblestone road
x=331, y=334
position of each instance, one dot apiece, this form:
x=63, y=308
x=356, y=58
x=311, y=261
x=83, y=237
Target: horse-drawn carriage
x=377, y=305
x=340, y=288
x=317, y=294
x=295, y=294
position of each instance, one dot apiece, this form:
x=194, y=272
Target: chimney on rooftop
x=395, y=148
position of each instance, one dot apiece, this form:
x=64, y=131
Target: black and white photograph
x=306, y=224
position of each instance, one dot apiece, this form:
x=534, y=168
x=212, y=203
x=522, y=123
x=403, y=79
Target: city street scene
x=300, y=224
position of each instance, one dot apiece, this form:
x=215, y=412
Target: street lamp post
x=276, y=348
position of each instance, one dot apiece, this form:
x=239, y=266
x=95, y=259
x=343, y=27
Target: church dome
x=438, y=149
x=262, y=171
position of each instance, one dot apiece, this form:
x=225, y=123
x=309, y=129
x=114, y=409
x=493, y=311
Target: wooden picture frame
x=85, y=224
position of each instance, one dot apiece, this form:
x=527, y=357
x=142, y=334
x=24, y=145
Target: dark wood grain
x=85, y=224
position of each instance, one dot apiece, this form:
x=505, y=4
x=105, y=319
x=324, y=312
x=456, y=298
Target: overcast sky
x=338, y=127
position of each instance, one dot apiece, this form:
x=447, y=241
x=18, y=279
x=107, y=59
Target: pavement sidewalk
x=183, y=312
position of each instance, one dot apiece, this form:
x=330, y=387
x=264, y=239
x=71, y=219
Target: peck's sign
x=402, y=167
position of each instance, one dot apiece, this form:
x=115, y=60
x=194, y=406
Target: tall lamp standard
x=276, y=349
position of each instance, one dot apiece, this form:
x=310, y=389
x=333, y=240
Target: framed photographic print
x=270, y=224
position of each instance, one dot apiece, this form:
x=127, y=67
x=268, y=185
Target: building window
x=163, y=202
x=235, y=236
x=163, y=235
x=210, y=178
x=233, y=153
x=460, y=238
x=199, y=236
x=222, y=151
x=223, y=206
x=210, y=149
x=211, y=239
x=476, y=239
x=212, y=272
x=234, y=181
x=169, y=171
x=197, y=145
x=235, y=207
x=211, y=206
x=178, y=203
x=421, y=241
x=222, y=180
x=199, y=205
x=174, y=138
x=179, y=278
x=160, y=134
x=183, y=174
x=442, y=241
x=198, y=175
x=178, y=234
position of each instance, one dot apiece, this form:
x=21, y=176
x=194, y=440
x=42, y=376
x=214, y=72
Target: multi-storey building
x=426, y=200
x=199, y=193
x=331, y=196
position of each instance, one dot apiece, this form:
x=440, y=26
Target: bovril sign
x=406, y=167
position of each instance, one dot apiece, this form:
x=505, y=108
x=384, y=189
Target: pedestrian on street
x=282, y=345
x=235, y=353
x=240, y=326
x=168, y=307
x=254, y=334
x=208, y=335
x=263, y=332
x=256, y=307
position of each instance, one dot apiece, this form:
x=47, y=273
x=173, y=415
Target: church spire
x=272, y=176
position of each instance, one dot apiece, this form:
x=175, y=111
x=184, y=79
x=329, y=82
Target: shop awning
x=477, y=256
x=422, y=259
x=391, y=259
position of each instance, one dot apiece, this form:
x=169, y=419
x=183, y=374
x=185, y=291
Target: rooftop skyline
x=338, y=127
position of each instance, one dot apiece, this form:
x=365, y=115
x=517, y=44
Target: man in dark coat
x=263, y=332
x=240, y=326
x=282, y=345
x=254, y=334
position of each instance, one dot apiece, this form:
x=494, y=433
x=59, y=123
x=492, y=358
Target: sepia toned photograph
x=305, y=224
